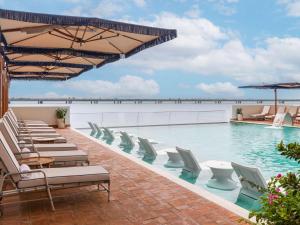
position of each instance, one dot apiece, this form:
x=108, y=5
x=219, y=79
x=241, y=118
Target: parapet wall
x=44, y=113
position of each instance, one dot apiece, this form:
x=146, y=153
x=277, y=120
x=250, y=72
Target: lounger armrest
x=19, y=173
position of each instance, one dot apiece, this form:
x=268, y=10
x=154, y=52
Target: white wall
x=44, y=113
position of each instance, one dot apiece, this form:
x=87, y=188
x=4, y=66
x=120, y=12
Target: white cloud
x=225, y=7
x=205, y=49
x=103, y=8
x=127, y=86
x=140, y=3
x=292, y=7
x=193, y=12
x=226, y=88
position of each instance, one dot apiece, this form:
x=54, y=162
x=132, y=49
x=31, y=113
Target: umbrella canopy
x=43, y=46
x=276, y=86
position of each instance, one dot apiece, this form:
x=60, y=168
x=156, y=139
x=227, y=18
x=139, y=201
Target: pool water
x=247, y=144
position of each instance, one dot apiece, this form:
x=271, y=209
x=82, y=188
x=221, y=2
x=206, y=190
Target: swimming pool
x=247, y=144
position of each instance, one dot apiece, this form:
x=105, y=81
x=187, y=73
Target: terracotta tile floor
x=139, y=196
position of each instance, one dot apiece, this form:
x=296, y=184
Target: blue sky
x=221, y=44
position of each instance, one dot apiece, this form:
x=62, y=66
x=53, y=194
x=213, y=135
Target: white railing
x=127, y=119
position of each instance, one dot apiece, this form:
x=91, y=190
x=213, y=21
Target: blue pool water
x=247, y=144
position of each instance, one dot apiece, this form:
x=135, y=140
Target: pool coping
x=195, y=189
x=255, y=122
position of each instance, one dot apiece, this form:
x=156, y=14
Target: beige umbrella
x=36, y=46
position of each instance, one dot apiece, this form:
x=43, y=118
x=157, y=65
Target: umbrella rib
x=114, y=46
x=75, y=36
x=60, y=36
x=24, y=28
x=25, y=39
x=135, y=39
x=89, y=61
x=67, y=35
x=18, y=57
x=102, y=38
x=103, y=31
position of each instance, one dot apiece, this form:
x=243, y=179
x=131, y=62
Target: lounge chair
x=265, y=112
x=40, y=147
x=71, y=157
x=191, y=165
x=126, y=140
x=150, y=153
x=92, y=126
x=98, y=129
x=251, y=180
x=49, y=178
x=280, y=110
x=34, y=123
x=108, y=134
x=26, y=128
x=36, y=137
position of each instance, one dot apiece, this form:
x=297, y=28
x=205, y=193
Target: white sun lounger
x=39, y=147
x=47, y=179
x=191, y=165
x=151, y=153
x=251, y=180
x=92, y=126
x=265, y=112
x=32, y=123
x=26, y=129
x=280, y=110
x=29, y=136
x=108, y=134
x=126, y=140
x=98, y=129
x=72, y=157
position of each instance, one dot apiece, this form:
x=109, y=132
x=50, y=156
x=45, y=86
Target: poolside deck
x=139, y=196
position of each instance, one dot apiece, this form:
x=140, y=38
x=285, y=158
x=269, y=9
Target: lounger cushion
x=52, y=147
x=50, y=135
x=66, y=175
x=57, y=139
x=62, y=156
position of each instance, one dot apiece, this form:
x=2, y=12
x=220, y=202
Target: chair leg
x=50, y=199
x=108, y=191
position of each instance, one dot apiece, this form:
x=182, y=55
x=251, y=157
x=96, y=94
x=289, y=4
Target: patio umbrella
x=274, y=87
x=55, y=47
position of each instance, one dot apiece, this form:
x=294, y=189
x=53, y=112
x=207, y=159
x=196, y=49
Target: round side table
x=222, y=172
x=38, y=162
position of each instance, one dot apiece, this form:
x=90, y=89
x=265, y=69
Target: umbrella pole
x=275, y=93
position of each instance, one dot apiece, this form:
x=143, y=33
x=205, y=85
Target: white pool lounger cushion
x=251, y=180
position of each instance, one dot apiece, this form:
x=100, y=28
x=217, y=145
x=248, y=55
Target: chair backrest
x=13, y=115
x=251, y=179
x=147, y=147
x=189, y=160
x=107, y=133
x=281, y=109
x=126, y=139
x=293, y=110
x=8, y=159
x=98, y=129
x=266, y=110
x=9, y=137
x=11, y=125
x=91, y=126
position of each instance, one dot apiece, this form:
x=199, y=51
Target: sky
x=221, y=45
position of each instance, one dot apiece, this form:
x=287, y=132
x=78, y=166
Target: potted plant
x=239, y=114
x=61, y=117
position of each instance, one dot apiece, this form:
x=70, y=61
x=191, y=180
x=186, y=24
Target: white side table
x=222, y=172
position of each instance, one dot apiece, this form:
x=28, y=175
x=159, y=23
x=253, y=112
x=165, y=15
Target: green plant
x=61, y=113
x=280, y=204
x=239, y=111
